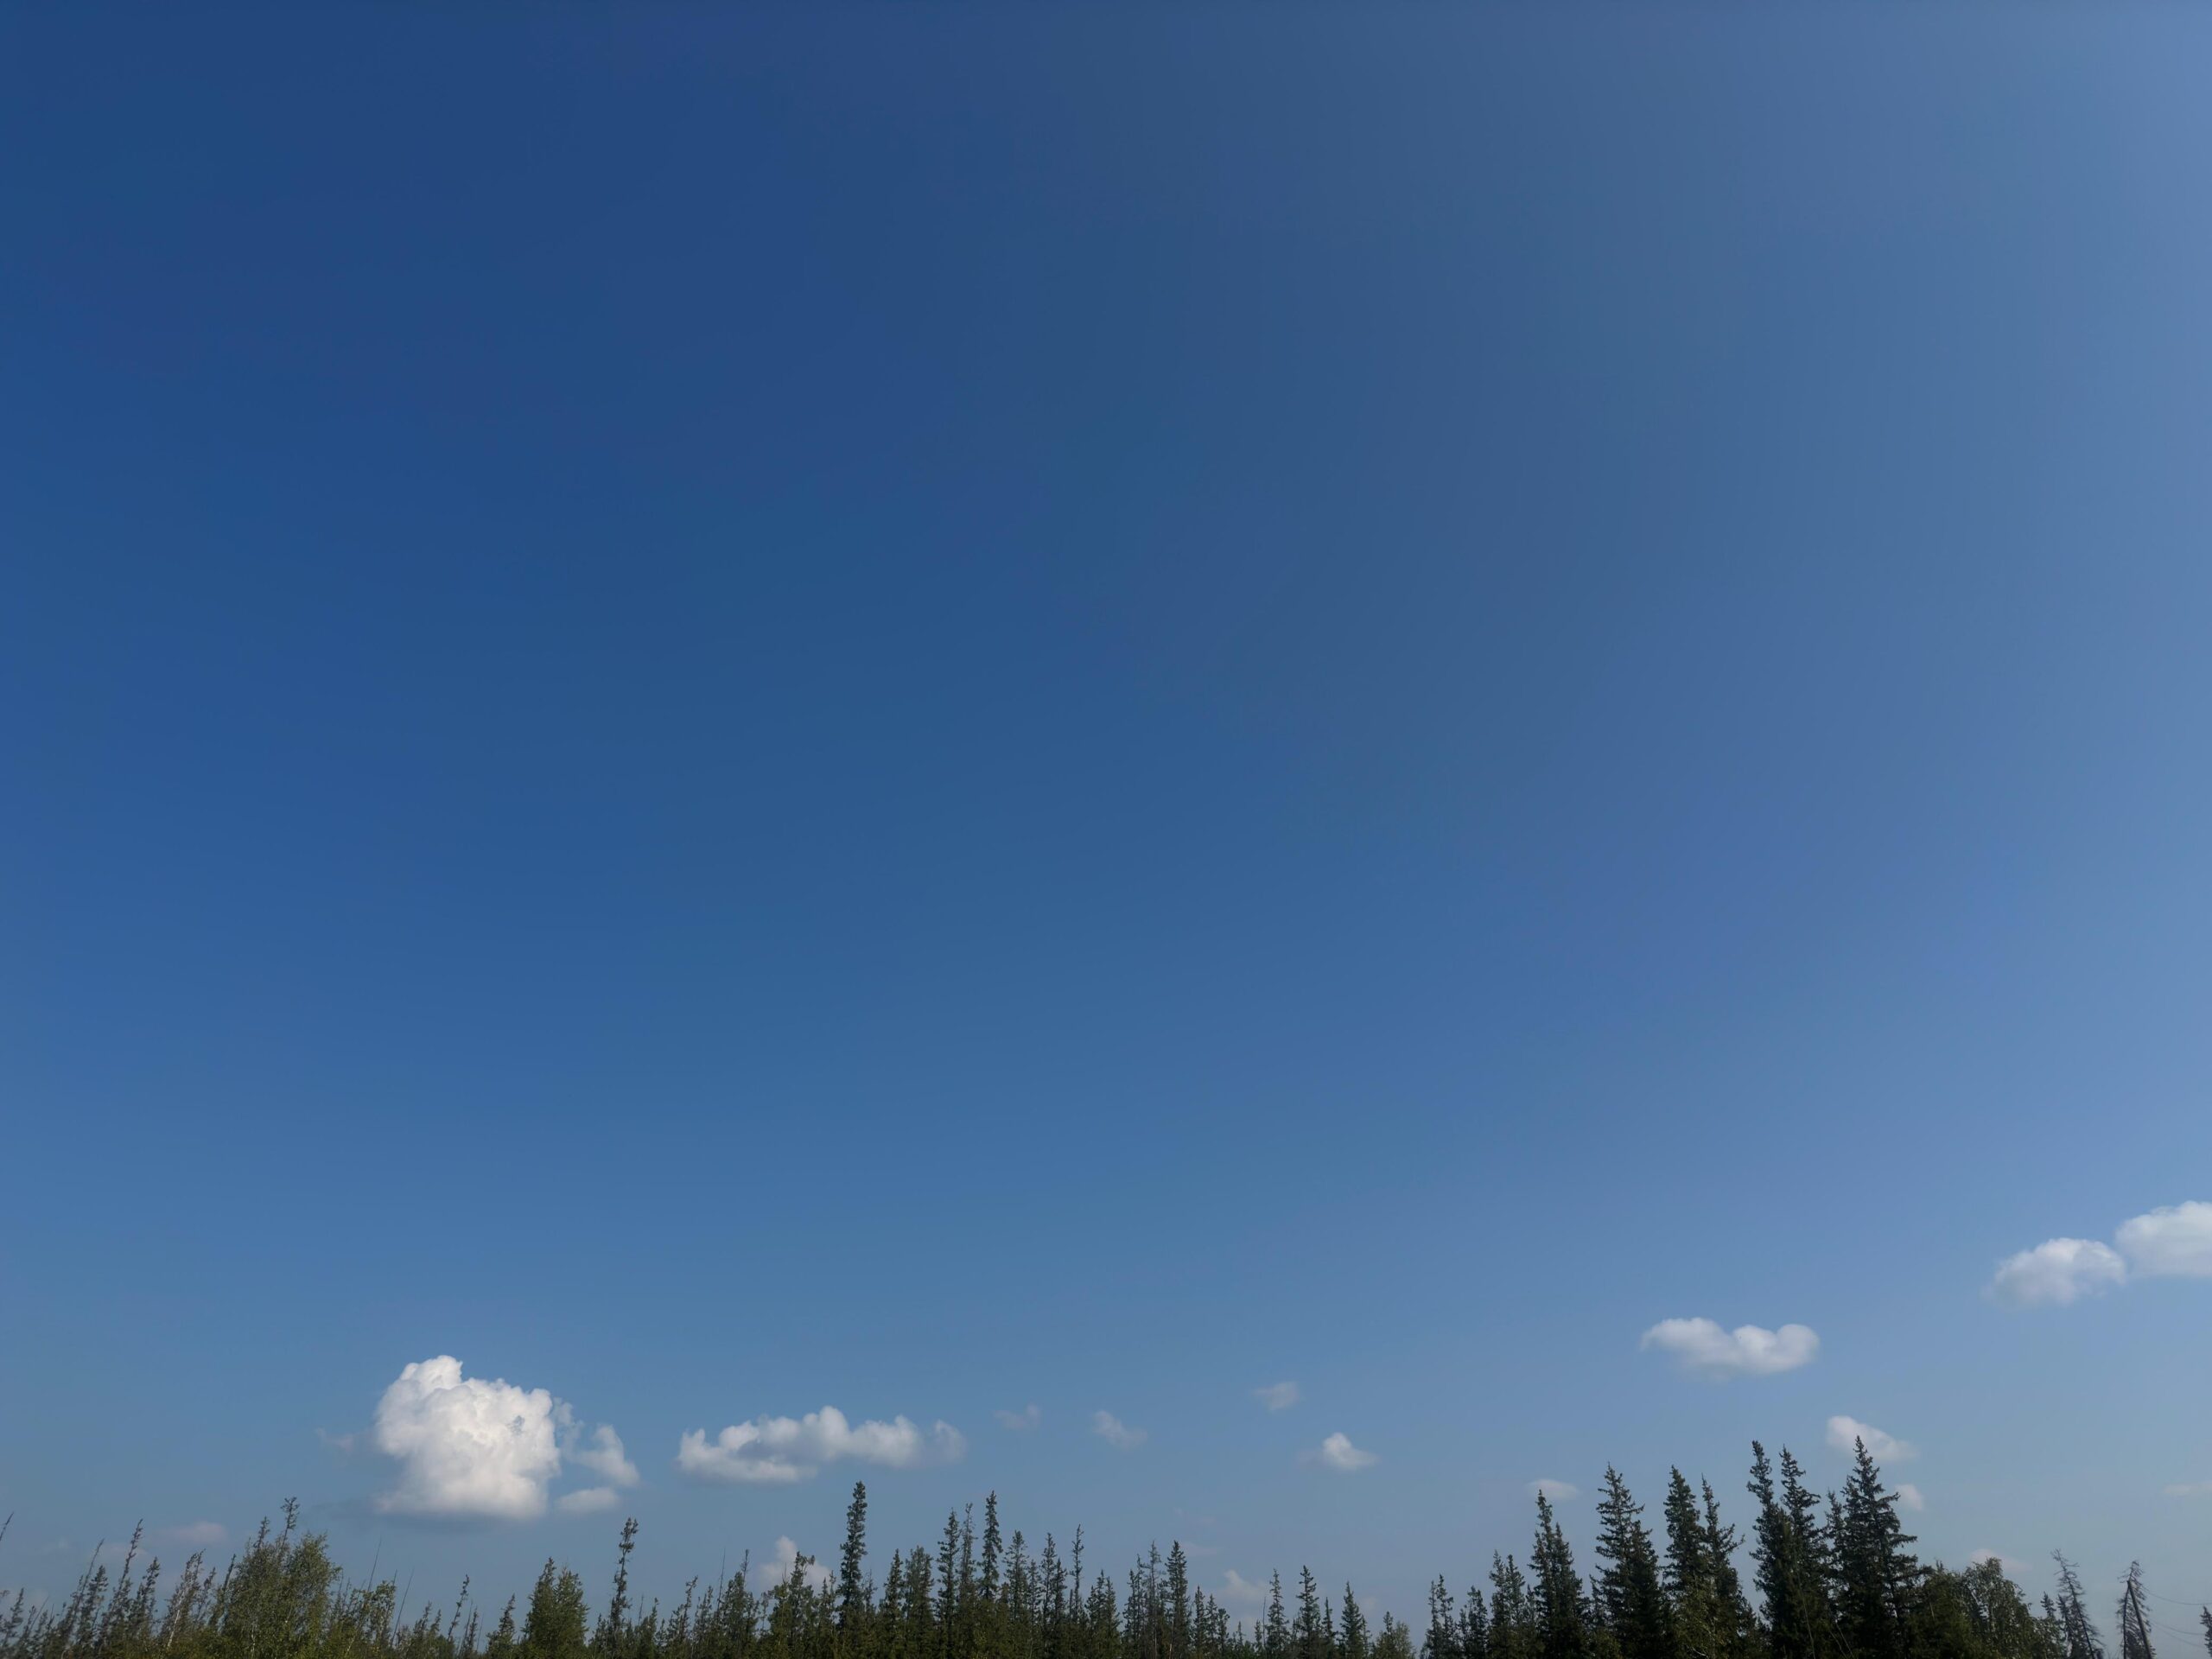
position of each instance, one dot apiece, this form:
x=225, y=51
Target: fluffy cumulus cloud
x=468, y=1446
x=1557, y=1491
x=777, y=1569
x=603, y=1455
x=1115, y=1433
x=1845, y=1434
x=2057, y=1272
x=1908, y=1497
x=1020, y=1421
x=1337, y=1453
x=1702, y=1346
x=2176, y=1241
x=777, y=1451
x=1277, y=1396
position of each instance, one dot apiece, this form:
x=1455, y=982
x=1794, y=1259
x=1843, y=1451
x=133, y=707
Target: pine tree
x=2079, y=1635
x=2134, y=1618
x=1789, y=1546
x=1512, y=1611
x=1561, y=1619
x=1631, y=1600
x=1354, y=1644
x=1442, y=1641
x=852, y=1597
x=1875, y=1574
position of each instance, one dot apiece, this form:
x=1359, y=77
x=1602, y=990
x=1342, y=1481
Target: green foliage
x=1833, y=1582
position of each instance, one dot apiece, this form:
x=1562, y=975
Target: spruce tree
x=1442, y=1641
x=1875, y=1576
x=1562, y=1626
x=2134, y=1617
x=852, y=1602
x=1631, y=1600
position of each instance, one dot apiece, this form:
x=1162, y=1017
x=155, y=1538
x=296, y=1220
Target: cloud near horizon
x=1844, y=1433
x=779, y=1450
x=472, y=1448
x=2173, y=1241
x=1700, y=1345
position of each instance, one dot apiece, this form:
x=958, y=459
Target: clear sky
x=926, y=711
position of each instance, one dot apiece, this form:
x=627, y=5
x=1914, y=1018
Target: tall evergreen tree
x=1562, y=1624
x=1631, y=1600
x=1876, y=1575
x=1442, y=1641
x=2134, y=1617
x=852, y=1589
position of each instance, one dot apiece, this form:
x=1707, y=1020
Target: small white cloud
x=1115, y=1433
x=1337, y=1453
x=466, y=1446
x=587, y=1500
x=777, y=1451
x=2189, y=1488
x=193, y=1534
x=1241, y=1590
x=2057, y=1272
x=2172, y=1242
x=1845, y=1433
x=1020, y=1421
x=1908, y=1497
x=777, y=1569
x=604, y=1457
x=1702, y=1346
x=1559, y=1491
x=1277, y=1396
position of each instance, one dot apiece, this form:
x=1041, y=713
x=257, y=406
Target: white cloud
x=1908, y=1497
x=1277, y=1396
x=1241, y=1590
x=1844, y=1432
x=768, y=1573
x=604, y=1457
x=2173, y=1242
x=195, y=1535
x=1559, y=1491
x=1020, y=1421
x=2190, y=1489
x=466, y=1446
x=2057, y=1272
x=1702, y=1346
x=1115, y=1433
x=777, y=1451
x=1337, y=1453
x=587, y=1500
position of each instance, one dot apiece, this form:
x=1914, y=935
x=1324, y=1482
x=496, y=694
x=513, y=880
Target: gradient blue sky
x=927, y=710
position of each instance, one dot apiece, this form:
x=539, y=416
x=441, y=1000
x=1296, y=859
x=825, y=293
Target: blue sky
x=921, y=711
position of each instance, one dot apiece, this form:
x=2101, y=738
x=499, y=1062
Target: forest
x=1818, y=1576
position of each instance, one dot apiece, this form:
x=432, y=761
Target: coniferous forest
x=1817, y=1576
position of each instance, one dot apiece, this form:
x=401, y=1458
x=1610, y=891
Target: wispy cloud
x=1559, y=1491
x=1242, y=1591
x=1115, y=1433
x=1020, y=1421
x=193, y=1534
x=587, y=1500
x=1700, y=1345
x=1337, y=1453
x=1845, y=1433
x=1277, y=1396
x=1909, y=1496
x=778, y=1451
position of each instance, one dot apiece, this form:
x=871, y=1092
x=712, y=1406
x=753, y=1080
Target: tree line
x=1830, y=1576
